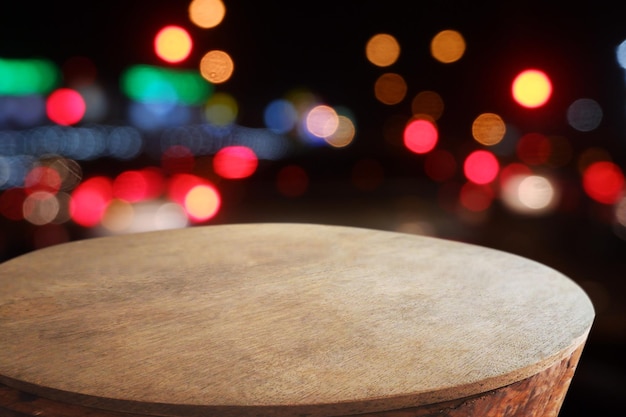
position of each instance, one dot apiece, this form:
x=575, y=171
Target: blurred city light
x=531, y=88
x=420, y=136
x=447, y=46
x=19, y=77
x=206, y=13
x=173, y=44
x=382, y=50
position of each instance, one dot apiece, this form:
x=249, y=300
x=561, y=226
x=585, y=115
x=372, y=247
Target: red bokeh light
x=476, y=197
x=90, y=199
x=65, y=106
x=603, y=181
x=42, y=178
x=235, y=162
x=481, y=167
x=420, y=136
x=199, y=198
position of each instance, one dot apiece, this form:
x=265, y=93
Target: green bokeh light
x=147, y=83
x=21, y=77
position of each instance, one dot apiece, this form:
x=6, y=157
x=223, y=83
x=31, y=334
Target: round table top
x=281, y=317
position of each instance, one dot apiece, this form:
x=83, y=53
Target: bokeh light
x=584, y=114
x=40, y=207
x=488, y=129
x=206, y=13
x=221, y=109
x=235, y=162
x=202, y=202
x=280, y=116
x=531, y=88
x=420, y=136
x=344, y=133
x=603, y=181
x=427, y=103
x=153, y=84
x=90, y=200
x=390, y=88
x=20, y=77
x=42, y=178
x=65, y=106
x=382, y=50
x=173, y=44
x=322, y=121
x=447, y=46
x=476, y=197
x=529, y=194
x=481, y=167
x=217, y=66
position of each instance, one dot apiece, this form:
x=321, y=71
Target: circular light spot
x=65, y=106
x=173, y=44
x=216, y=66
x=603, y=181
x=322, y=121
x=390, y=88
x=488, y=129
x=420, y=136
x=202, y=202
x=447, y=46
x=531, y=88
x=584, y=114
x=343, y=135
x=235, y=162
x=429, y=103
x=382, y=50
x=207, y=13
x=481, y=167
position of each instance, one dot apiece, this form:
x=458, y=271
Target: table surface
x=287, y=317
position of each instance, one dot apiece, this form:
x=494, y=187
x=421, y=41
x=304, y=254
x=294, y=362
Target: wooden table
x=285, y=319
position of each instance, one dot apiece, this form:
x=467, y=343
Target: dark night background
x=279, y=45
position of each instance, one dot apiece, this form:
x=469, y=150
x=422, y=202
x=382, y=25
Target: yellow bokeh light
x=382, y=50
x=221, y=109
x=173, y=44
x=488, y=129
x=447, y=46
x=390, y=88
x=207, y=13
x=217, y=66
x=531, y=88
x=202, y=202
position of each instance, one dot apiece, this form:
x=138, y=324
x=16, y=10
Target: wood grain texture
x=540, y=395
x=279, y=319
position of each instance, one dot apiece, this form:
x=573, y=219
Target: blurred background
x=496, y=124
